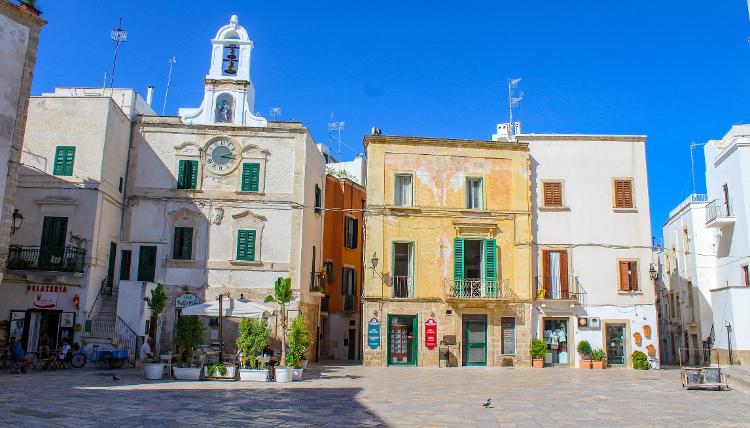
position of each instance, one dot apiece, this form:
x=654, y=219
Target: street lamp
x=17, y=220
x=374, y=261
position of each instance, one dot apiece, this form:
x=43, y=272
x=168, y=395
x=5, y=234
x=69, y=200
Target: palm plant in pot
x=153, y=369
x=598, y=359
x=584, y=349
x=538, y=351
x=252, y=338
x=189, y=334
x=299, y=340
x=282, y=296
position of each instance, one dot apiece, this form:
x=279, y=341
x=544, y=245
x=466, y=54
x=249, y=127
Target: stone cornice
x=445, y=142
x=15, y=13
x=580, y=137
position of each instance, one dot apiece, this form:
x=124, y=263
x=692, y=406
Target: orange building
x=343, y=225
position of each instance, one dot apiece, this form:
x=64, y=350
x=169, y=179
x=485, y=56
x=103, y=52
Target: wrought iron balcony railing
x=719, y=210
x=403, y=287
x=477, y=289
x=52, y=259
x=317, y=282
x=559, y=288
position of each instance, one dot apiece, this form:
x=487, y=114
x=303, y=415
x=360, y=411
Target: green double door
x=475, y=340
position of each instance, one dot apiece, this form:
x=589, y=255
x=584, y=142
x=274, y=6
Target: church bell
x=231, y=59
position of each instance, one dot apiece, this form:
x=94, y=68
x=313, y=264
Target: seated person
x=64, y=351
x=146, y=349
x=18, y=354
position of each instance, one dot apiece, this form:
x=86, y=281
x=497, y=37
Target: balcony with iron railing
x=719, y=213
x=478, y=289
x=51, y=259
x=566, y=288
x=318, y=281
x=402, y=287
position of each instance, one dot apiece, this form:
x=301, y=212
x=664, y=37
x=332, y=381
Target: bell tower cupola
x=229, y=95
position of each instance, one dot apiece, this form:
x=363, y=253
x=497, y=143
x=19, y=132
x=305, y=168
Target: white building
x=592, y=246
x=221, y=201
x=728, y=218
x=72, y=176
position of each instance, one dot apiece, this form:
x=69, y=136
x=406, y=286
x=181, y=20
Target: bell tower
x=229, y=96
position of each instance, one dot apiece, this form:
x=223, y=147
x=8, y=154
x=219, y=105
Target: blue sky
x=675, y=70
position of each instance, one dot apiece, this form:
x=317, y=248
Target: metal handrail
x=718, y=208
x=403, y=287
x=128, y=336
x=46, y=258
x=478, y=288
x=573, y=291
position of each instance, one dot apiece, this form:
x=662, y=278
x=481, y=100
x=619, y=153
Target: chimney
x=149, y=94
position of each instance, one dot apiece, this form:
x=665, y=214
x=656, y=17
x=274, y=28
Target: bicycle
x=114, y=358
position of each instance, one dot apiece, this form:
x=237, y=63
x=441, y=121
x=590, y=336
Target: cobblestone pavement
x=357, y=396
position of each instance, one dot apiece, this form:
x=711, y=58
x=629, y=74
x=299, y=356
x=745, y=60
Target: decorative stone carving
x=218, y=216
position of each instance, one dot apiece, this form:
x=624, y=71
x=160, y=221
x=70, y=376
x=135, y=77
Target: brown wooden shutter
x=545, y=273
x=623, y=194
x=553, y=194
x=624, y=276
x=633, y=276
x=564, y=274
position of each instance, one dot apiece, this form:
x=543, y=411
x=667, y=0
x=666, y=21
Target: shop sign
x=430, y=334
x=186, y=300
x=45, y=300
x=373, y=333
x=46, y=289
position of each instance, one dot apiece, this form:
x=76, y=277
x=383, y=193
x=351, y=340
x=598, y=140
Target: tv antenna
x=512, y=102
x=275, y=113
x=118, y=35
x=172, y=61
x=693, y=144
x=334, y=126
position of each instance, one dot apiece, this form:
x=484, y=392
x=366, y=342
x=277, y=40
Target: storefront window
x=556, y=337
x=402, y=340
x=616, y=344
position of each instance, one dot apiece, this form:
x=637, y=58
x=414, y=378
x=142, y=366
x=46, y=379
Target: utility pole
x=118, y=35
x=512, y=102
x=172, y=62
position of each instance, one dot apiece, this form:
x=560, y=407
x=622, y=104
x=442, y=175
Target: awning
x=232, y=308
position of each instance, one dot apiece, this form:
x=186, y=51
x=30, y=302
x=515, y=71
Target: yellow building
x=447, y=250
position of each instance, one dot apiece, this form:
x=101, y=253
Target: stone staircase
x=106, y=328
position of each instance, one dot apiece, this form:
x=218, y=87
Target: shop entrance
x=616, y=344
x=556, y=335
x=43, y=326
x=475, y=340
x=402, y=340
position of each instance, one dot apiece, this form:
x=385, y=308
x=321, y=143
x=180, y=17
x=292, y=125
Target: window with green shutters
x=182, y=245
x=187, y=174
x=488, y=262
x=246, y=245
x=146, y=263
x=64, y=159
x=250, y=177
x=318, y=199
x=458, y=259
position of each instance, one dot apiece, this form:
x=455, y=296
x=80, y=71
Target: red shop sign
x=430, y=334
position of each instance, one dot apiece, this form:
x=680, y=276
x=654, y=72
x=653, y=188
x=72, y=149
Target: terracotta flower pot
x=597, y=365
x=647, y=331
x=537, y=363
x=637, y=339
x=585, y=364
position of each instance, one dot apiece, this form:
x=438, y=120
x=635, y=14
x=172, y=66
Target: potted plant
x=640, y=360
x=252, y=339
x=282, y=296
x=598, y=359
x=584, y=349
x=152, y=368
x=188, y=335
x=299, y=340
x=537, y=351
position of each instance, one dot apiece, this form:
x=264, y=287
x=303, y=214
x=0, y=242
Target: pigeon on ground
x=488, y=404
x=115, y=377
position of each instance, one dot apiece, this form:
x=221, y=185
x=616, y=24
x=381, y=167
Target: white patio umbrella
x=231, y=308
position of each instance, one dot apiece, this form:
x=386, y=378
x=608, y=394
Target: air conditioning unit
x=595, y=323
x=583, y=322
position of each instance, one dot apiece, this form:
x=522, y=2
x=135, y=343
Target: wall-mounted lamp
x=652, y=271
x=374, y=261
x=17, y=220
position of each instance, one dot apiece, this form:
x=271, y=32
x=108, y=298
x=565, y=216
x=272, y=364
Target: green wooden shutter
x=181, y=175
x=193, y=175
x=187, y=246
x=64, y=160
x=250, y=177
x=458, y=259
x=182, y=245
x=146, y=263
x=318, y=198
x=490, y=267
x=246, y=245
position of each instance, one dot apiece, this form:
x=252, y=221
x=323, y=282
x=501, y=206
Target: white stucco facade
x=587, y=237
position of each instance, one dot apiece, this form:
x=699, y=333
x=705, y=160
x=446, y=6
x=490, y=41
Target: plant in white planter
x=299, y=340
x=152, y=369
x=282, y=296
x=252, y=339
x=188, y=335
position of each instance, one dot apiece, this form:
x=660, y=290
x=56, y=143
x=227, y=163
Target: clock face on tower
x=222, y=156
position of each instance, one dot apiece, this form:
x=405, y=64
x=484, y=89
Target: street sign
x=373, y=333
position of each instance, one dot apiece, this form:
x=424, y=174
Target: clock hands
x=228, y=157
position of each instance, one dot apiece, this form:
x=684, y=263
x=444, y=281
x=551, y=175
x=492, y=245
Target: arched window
x=224, y=108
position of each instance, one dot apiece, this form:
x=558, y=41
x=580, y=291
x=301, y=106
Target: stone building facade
x=447, y=245
x=19, y=39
